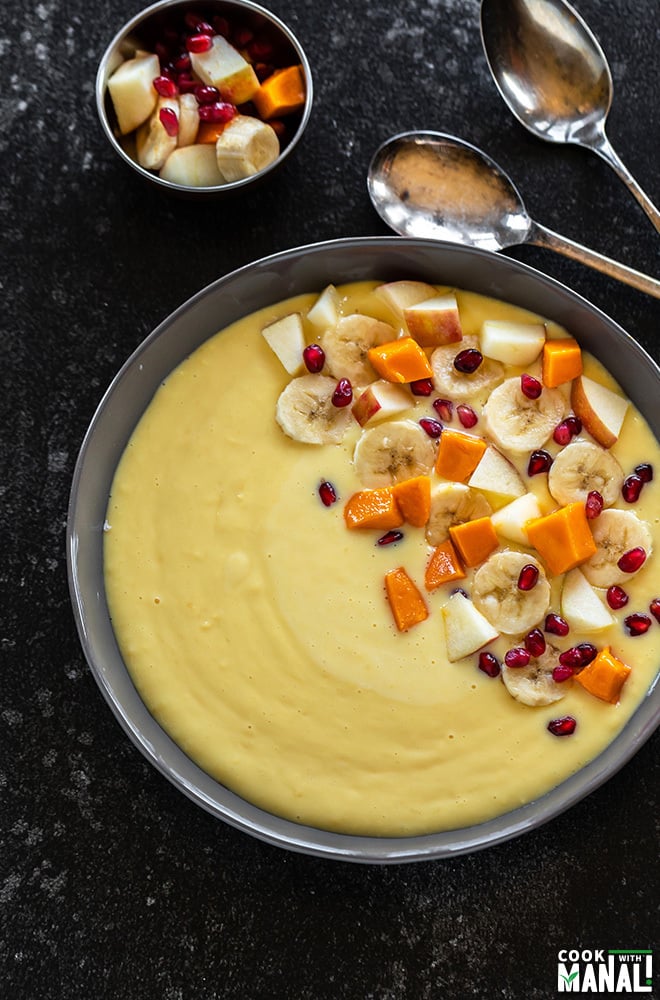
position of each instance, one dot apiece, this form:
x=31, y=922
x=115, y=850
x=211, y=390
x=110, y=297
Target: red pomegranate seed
x=468, y=361
x=632, y=487
x=466, y=415
x=645, y=472
x=654, y=608
x=489, y=663
x=221, y=25
x=517, y=657
x=556, y=625
x=182, y=63
x=199, y=43
x=168, y=71
x=343, y=394
x=637, y=624
x=444, y=408
x=616, y=597
x=169, y=120
x=204, y=28
x=578, y=656
x=187, y=83
x=221, y=111
x=260, y=50
x=530, y=386
x=163, y=52
x=574, y=423
x=421, y=387
x=528, y=577
x=539, y=461
x=632, y=560
x=562, y=727
x=432, y=427
x=314, y=358
x=535, y=642
x=562, y=672
x=593, y=505
x=562, y=433
x=191, y=20
x=165, y=87
x=206, y=94
x=243, y=36
x=588, y=652
x=327, y=493
x=390, y=537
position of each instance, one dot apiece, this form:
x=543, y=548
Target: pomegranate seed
x=468, y=361
x=169, y=121
x=539, y=461
x=167, y=71
x=562, y=673
x=191, y=20
x=556, y=625
x=574, y=423
x=343, y=393
x=260, y=50
x=421, y=387
x=578, y=656
x=199, y=43
x=314, y=358
x=528, y=577
x=163, y=52
x=616, y=597
x=517, y=657
x=444, y=408
x=327, y=493
x=165, y=87
x=187, y=84
x=562, y=727
x=432, y=427
x=645, y=472
x=588, y=652
x=182, y=63
x=390, y=537
x=489, y=663
x=206, y=94
x=637, y=624
x=221, y=111
x=632, y=487
x=654, y=608
x=530, y=386
x=221, y=25
x=535, y=642
x=204, y=28
x=632, y=560
x=243, y=36
x=466, y=415
x=593, y=505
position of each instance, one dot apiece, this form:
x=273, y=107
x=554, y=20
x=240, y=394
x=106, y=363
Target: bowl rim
x=103, y=73
x=88, y=598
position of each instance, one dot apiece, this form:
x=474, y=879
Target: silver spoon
x=554, y=76
x=436, y=186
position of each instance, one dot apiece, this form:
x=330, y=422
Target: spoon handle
x=543, y=237
x=601, y=145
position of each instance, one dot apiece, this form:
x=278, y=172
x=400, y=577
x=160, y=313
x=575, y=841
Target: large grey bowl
x=309, y=269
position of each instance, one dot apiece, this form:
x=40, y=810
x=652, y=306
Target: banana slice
x=533, y=685
x=152, y=143
x=245, y=146
x=454, y=384
x=346, y=345
x=583, y=466
x=615, y=532
x=495, y=593
x=392, y=452
x=305, y=411
x=518, y=423
x=453, y=503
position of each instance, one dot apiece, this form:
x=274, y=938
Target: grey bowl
x=309, y=269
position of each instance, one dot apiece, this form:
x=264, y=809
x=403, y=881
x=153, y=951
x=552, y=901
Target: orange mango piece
x=208, y=132
x=443, y=566
x=406, y=602
x=400, y=360
x=282, y=93
x=563, y=538
x=604, y=676
x=413, y=497
x=474, y=540
x=562, y=361
x=373, y=509
x=458, y=455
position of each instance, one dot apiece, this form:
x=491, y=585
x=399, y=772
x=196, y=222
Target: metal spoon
x=434, y=185
x=554, y=76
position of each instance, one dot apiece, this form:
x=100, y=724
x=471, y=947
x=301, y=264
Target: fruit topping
x=327, y=493
x=562, y=672
x=645, y=472
x=422, y=387
x=406, y=603
x=169, y=120
x=593, y=505
x=444, y=408
x=389, y=538
x=539, y=462
x=343, y=394
x=517, y=657
x=458, y=455
x=562, y=361
x=314, y=358
x=562, y=727
x=466, y=415
x=616, y=597
x=528, y=577
x=530, y=387
x=631, y=488
x=489, y=664
x=468, y=361
x=556, y=625
x=637, y=624
x=654, y=608
x=432, y=427
x=632, y=560
x=535, y=643
x=605, y=676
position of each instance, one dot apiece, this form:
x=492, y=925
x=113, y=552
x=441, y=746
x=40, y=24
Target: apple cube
x=496, y=474
x=466, y=629
x=286, y=339
x=193, y=166
x=512, y=343
x=325, y=311
x=400, y=295
x=131, y=89
x=601, y=411
x=435, y=321
x=581, y=605
x=222, y=66
x=509, y=521
x=379, y=401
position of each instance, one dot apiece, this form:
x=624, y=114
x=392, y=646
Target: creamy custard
x=256, y=629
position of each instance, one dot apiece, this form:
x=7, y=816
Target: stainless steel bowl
x=252, y=14
x=309, y=269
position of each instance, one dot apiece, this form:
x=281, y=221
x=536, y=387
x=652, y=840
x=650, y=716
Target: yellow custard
x=256, y=629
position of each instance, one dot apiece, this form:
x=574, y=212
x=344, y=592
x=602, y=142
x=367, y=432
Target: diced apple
x=222, y=66
x=379, y=401
x=286, y=339
x=131, y=89
x=601, y=411
x=400, y=295
x=435, y=321
x=512, y=343
x=193, y=166
x=466, y=629
x=496, y=474
x=325, y=311
x=509, y=521
x=153, y=144
x=188, y=120
x=581, y=605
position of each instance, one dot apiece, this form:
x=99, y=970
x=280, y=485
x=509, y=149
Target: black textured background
x=112, y=884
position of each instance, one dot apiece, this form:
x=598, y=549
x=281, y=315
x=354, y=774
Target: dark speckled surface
x=112, y=884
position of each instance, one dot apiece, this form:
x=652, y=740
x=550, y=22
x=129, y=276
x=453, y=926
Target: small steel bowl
x=137, y=33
